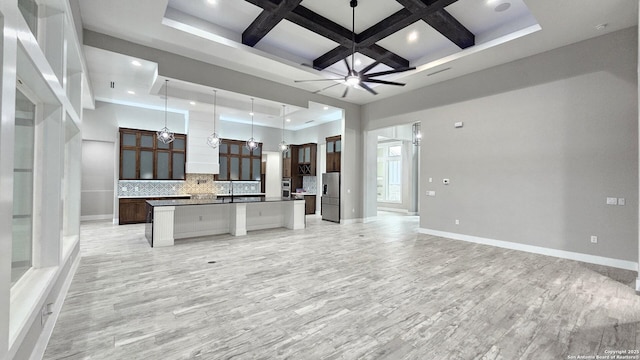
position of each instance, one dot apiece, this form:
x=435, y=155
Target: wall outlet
x=458, y=124
x=612, y=201
x=457, y=222
x=431, y=193
x=621, y=201
x=594, y=239
x=430, y=180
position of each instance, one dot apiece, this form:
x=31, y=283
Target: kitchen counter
x=152, y=196
x=168, y=220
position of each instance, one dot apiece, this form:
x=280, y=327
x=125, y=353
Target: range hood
x=201, y=158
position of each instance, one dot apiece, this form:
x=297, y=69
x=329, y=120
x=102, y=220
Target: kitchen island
x=168, y=220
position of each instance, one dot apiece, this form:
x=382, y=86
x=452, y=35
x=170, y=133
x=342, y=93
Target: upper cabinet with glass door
x=143, y=157
x=334, y=151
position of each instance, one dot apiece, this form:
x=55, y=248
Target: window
x=389, y=172
x=23, y=162
x=237, y=162
x=143, y=157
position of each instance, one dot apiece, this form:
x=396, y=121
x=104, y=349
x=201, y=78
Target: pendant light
x=251, y=143
x=214, y=140
x=283, y=144
x=165, y=135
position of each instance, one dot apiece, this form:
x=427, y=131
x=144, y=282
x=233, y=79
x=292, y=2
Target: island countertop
x=225, y=200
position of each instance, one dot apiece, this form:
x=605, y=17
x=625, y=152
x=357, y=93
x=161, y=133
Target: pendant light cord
x=283, y=111
x=166, y=97
x=252, y=118
x=215, y=102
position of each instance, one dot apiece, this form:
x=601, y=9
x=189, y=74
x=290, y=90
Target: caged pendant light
x=214, y=139
x=165, y=135
x=283, y=144
x=251, y=142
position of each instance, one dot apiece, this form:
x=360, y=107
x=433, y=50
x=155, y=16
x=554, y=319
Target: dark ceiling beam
x=266, y=21
x=434, y=14
x=384, y=56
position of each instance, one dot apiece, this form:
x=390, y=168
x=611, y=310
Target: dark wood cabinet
x=237, y=162
x=134, y=210
x=309, y=204
x=143, y=157
x=288, y=162
x=307, y=154
x=334, y=151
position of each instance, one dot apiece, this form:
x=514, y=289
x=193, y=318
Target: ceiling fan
x=359, y=78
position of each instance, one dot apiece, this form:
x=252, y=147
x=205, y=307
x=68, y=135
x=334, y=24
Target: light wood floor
x=362, y=291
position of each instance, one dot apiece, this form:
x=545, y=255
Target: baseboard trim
x=563, y=254
x=96, y=217
x=41, y=346
x=396, y=210
x=351, y=221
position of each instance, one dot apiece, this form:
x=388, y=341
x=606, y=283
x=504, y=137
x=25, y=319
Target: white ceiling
x=528, y=27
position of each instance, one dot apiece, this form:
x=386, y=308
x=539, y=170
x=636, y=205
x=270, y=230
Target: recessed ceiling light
x=326, y=108
x=288, y=120
x=601, y=26
x=413, y=36
x=357, y=62
x=131, y=92
x=502, y=7
x=251, y=113
x=136, y=63
x=192, y=102
x=212, y=2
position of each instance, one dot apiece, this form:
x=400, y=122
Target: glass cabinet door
x=224, y=168
x=146, y=164
x=255, y=168
x=307, y=154
x=338, y=145
x=128, y=164
x=330, y=146
x=234, y=168
x=301, y=155
x=162, y=165
x=146, y=141
x=246, y=169
x=177, y=166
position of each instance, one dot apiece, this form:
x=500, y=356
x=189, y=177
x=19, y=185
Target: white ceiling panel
x=368, y=12
x=234, y=15
x=427, y=41
x=289, y=38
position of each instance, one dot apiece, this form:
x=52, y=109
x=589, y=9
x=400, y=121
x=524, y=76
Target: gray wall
x=545, y=140
x=98, y=174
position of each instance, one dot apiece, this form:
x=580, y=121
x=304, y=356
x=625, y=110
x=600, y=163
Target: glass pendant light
x=283, y=144
x=214, y=140
x=165, y=135
x=251, y=143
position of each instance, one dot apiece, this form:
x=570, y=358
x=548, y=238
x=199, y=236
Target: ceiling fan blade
x=346, y=90
x=375, y=81
x=299, y=81
x=369, y=67
x=325, y=88
x=366, y=87
x=346, y=62
x=326, y=70
x=395, y=71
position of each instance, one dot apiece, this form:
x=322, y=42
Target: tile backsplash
x=310, y=184
x=193, y=184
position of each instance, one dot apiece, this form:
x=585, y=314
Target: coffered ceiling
x=285, y=40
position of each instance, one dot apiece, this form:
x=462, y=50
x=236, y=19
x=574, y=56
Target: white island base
x=181, y=219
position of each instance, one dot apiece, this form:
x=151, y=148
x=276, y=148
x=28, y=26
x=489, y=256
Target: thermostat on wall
x=458, y=124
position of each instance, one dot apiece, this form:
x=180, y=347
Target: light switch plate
x=612, y=201
x=621, y=201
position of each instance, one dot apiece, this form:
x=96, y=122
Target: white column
x=294, y=214
x=238, y=219
x=163, y=225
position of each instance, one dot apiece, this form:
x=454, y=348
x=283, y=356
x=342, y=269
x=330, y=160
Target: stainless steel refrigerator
x=331, y=197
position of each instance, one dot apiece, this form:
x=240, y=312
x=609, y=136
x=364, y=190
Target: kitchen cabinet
x=309, y=204
x=237, y=162
x=288, y=162
x=334, y=151
x=134, y=210
x=307, y=159
x=143, y=157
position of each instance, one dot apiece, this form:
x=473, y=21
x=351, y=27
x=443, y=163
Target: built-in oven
x=286, y=187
